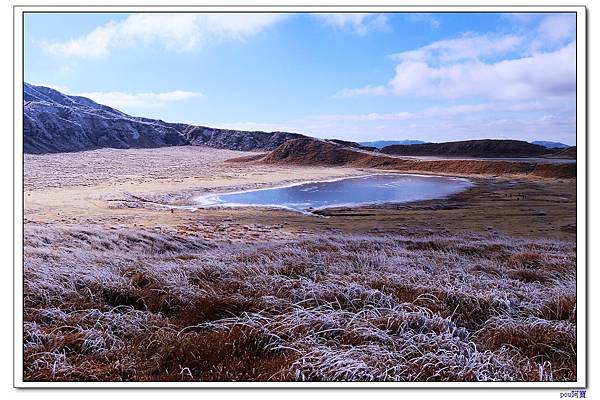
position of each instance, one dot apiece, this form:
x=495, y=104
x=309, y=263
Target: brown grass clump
x=236, y=354
x=529, y=276
x=527, y=259
x=215, y=307
x=549, y=343
x=562, y=307
x=122, y=305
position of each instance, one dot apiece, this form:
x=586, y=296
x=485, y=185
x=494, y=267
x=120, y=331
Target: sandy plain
x=118, y=187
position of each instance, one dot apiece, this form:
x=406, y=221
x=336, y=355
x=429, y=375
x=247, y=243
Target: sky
x=434, y=77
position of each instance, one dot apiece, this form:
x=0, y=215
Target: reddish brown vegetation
x=168, y=307
x=236, y=354
x=550, y=343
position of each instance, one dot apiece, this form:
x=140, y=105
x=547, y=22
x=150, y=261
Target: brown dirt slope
x=320, y=153
x=569, y=152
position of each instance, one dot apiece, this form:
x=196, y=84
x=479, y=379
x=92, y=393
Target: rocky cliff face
x=54, y=122
x=236, y=140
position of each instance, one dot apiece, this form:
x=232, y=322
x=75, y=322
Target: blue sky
x=434, y=77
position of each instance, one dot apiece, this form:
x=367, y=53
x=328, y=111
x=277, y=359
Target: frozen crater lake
x=354, y=191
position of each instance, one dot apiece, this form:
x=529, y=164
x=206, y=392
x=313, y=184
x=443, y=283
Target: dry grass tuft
x=238, y=353
x=528, y=259
x=546, y=342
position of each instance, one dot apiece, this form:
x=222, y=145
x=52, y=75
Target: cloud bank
x=528, y=65
x=142, y=100
x=123, y=99
x=174, y=32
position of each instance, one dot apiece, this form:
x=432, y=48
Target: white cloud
x=545, y=74
x=521, y=18
x=121, y=99
x=557, y=27
x=446, y=111
x=466, y=47
x=412, y=77
x=174, y=32
x=357, y=23
x=250, y=126
x=363, y=117
x=367, y=90
x=60, y=88
x=427, y=18
x=552, y=32
x=461, y=109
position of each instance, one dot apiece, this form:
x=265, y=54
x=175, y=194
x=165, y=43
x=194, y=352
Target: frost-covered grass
x=120, y=166
x=116, y=304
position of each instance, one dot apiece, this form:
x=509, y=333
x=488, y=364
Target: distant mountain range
x=380, y=144
x=487, y=148
x=551, y=145
x=54, y=122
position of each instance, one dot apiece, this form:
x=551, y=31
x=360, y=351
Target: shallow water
x=372, y=189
